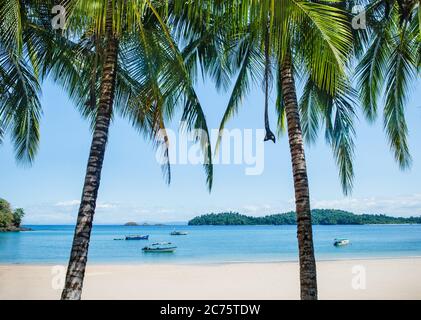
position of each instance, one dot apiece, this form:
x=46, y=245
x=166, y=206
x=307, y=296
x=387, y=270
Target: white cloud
x=405, y=205
x=69, y=203
x=106, y=205
x=113, y=212
x=263, y=209
x=251, y=208
x=74, y=203
x=65, y=212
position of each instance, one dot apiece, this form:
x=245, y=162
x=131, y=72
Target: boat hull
x=341, y=243
x=138, y=238
x=163, y=250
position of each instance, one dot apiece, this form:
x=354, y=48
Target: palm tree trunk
x=79, y=253
x=308, y=279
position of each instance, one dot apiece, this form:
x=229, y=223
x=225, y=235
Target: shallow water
x=210, y=244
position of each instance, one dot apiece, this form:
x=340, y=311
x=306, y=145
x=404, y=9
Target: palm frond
x=250, y=63
x=400, y=74
x=20, y=108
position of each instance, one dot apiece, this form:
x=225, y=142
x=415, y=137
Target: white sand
x=384, y=279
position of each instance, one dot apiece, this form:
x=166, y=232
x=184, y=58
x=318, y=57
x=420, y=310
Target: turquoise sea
x=210, y=244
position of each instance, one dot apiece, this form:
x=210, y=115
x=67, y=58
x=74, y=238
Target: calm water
x=210, y=244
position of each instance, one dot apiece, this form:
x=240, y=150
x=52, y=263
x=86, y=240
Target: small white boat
x=340, y=242
x=160, y=247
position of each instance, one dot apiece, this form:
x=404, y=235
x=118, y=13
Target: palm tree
x=133, y=49
x=126, y=63
x=287, y=38
x=79, y=252
x=390, y=58
x=322, y=55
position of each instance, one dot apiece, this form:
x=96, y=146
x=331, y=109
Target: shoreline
x=396, y=278
x=206, y=263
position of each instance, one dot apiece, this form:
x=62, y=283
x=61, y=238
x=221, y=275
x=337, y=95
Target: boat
x=178, y=233
x=340, y=242
x=137, y=237
x=160, y=247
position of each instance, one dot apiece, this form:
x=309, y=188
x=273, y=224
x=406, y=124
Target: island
x=130, y=224
x=145, y=224
x=10, y=219
x=318, y=217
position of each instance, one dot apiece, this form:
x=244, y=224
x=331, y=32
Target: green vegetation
x=389, y=58
x=318, y=216
x=10, y=219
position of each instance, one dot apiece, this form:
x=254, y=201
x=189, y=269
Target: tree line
x=318, y=217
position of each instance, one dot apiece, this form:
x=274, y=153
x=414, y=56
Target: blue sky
x=132, y=188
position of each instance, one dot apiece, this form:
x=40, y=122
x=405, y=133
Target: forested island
x=10, y=219
x=131, y=224
x=319, y=217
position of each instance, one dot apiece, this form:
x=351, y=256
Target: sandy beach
x=351, y=279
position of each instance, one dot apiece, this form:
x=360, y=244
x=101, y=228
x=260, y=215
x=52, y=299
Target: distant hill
x=319, y=217
x=134, y=224
x=131, y=224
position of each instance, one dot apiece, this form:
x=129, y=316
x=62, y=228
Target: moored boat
x=178, y=233
x=160, y=247
x=137, y=237
x=340, y=242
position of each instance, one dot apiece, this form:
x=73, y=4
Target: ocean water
x=210, y=244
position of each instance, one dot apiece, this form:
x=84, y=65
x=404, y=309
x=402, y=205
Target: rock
x=25, y=229
x=15, y=229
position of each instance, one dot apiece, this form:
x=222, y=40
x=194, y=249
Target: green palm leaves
x=260, y=35
x=152, y=79
x=20, y=108
x=155, y=77
x=388, y=67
